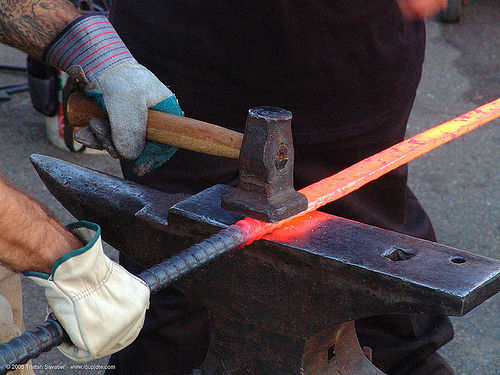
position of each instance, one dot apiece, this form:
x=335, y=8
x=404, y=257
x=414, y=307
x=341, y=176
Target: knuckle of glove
x=110, y=319
x=127, y=93
x=86, y=137
x=128, y=141
x=102, y=132
x=140, y=83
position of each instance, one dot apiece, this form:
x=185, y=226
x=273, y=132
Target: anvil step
x=278, y=302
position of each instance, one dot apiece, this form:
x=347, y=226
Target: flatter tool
x=319, y=194
x=12, y=68
x=453, y=299
x=265, y=191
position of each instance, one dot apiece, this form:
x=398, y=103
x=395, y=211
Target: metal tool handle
x=12, y=89
x=14, y=86
x=5, y=91
x=12, y=68
x=31, y=344
x=17, y=88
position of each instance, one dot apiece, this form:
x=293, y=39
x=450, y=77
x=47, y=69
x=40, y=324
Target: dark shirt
x=335, y=64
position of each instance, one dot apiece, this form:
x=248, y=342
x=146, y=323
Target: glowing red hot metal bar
x=318, y=194
x=371, y=168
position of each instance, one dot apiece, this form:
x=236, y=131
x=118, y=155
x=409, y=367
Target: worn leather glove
x=91, y=52
x=100, y=305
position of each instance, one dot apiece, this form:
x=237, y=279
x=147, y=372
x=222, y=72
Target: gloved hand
x=100, y=305
x=90, y=51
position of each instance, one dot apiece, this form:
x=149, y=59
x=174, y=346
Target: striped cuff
x=90, y=42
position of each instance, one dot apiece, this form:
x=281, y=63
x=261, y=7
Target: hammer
x=265, y=152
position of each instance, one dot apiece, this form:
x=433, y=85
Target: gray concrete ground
x=458, y=183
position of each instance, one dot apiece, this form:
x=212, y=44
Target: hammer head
x=265, y=191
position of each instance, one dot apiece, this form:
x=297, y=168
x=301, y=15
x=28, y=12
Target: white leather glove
x=100, y=305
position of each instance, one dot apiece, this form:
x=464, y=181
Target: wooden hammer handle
x=166, y=128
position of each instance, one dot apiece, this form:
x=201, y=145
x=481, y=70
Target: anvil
x=285, y=304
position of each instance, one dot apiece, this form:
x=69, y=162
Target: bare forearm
x=30, y=237
x=30, y=25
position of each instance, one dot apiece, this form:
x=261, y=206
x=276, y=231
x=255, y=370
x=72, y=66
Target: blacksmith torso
x=348, y=71
x=334, y=64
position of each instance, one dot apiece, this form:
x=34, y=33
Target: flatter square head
x=265, y=191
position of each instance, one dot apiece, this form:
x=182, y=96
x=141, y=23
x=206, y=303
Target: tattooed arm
x=30, y=25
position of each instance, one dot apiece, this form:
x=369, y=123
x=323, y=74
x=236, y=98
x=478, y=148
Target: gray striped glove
x=90, y=51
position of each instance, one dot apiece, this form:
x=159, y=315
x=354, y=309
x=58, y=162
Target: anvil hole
x=396, y=254
x=458, y=260
x=281, y=157
x=331, y=353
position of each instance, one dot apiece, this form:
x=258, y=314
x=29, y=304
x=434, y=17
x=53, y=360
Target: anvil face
x=281, y=299
x=350, y=252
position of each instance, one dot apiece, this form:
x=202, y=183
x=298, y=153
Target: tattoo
x=30, y=25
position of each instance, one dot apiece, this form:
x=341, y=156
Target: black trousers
x=175, y=337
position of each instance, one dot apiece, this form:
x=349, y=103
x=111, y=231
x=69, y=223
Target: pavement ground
x=458, y=184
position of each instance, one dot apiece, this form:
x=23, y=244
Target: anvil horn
x=117, y=205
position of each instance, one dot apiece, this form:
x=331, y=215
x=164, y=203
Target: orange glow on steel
x=371, y=168
x=298, y=226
